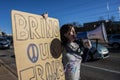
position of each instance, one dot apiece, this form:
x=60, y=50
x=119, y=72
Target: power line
x=71, y=6
x=95, y=7
x=77, y=10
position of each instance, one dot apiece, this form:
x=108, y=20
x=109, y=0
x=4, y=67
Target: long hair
x=64, y=29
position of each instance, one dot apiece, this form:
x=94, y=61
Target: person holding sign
x=72, y=52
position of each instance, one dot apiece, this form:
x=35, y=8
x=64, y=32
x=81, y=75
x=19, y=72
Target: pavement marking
x=113, y=71
x=8, y=68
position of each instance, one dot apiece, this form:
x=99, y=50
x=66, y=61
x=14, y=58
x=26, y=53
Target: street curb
x=8, y=68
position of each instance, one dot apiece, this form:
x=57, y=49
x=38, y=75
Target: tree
x=4, y=34
x=112, y=18
x=76, y=24
x=101, y=18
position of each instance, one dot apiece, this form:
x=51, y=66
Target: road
x=103, y=69
x=8, y=69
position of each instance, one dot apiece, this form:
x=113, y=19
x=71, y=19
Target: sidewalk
x=5, y=74
x=8, y=69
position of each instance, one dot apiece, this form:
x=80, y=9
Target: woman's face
x=71, y=34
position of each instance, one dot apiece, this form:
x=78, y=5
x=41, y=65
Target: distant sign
x=37, y=47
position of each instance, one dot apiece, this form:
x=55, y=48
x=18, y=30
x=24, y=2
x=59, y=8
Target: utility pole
x=119, y=12
x=108, y=9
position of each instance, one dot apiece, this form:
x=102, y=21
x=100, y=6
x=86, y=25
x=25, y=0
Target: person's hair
x=64, y=29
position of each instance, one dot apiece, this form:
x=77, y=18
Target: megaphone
x=99, y=34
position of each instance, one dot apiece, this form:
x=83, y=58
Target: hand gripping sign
x=37, y=47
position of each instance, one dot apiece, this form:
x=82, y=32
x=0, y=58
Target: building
x=112, y=27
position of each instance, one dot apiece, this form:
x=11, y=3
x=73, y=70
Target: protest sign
x=37, y=47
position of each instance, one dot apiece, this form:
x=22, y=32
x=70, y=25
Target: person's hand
x=45, y=15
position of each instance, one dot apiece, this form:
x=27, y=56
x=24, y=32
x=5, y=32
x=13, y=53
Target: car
x=4, y=43
x=10, y=38
x=102, y=51
x=114, y=41
x=94, y=50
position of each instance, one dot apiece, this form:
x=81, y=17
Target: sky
x=66, y=11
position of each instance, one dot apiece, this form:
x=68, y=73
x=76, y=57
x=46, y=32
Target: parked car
x=10, y=38
x=4, y=43
x=102, y=51
x=98, y=51
x=114, y=40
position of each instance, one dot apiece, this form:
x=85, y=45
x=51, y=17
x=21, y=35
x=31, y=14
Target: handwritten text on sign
x=37, y=47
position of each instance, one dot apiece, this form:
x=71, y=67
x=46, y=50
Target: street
x=8, y=69
x=103, y=69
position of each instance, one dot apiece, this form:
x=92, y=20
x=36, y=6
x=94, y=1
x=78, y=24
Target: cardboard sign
x=37, y=47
